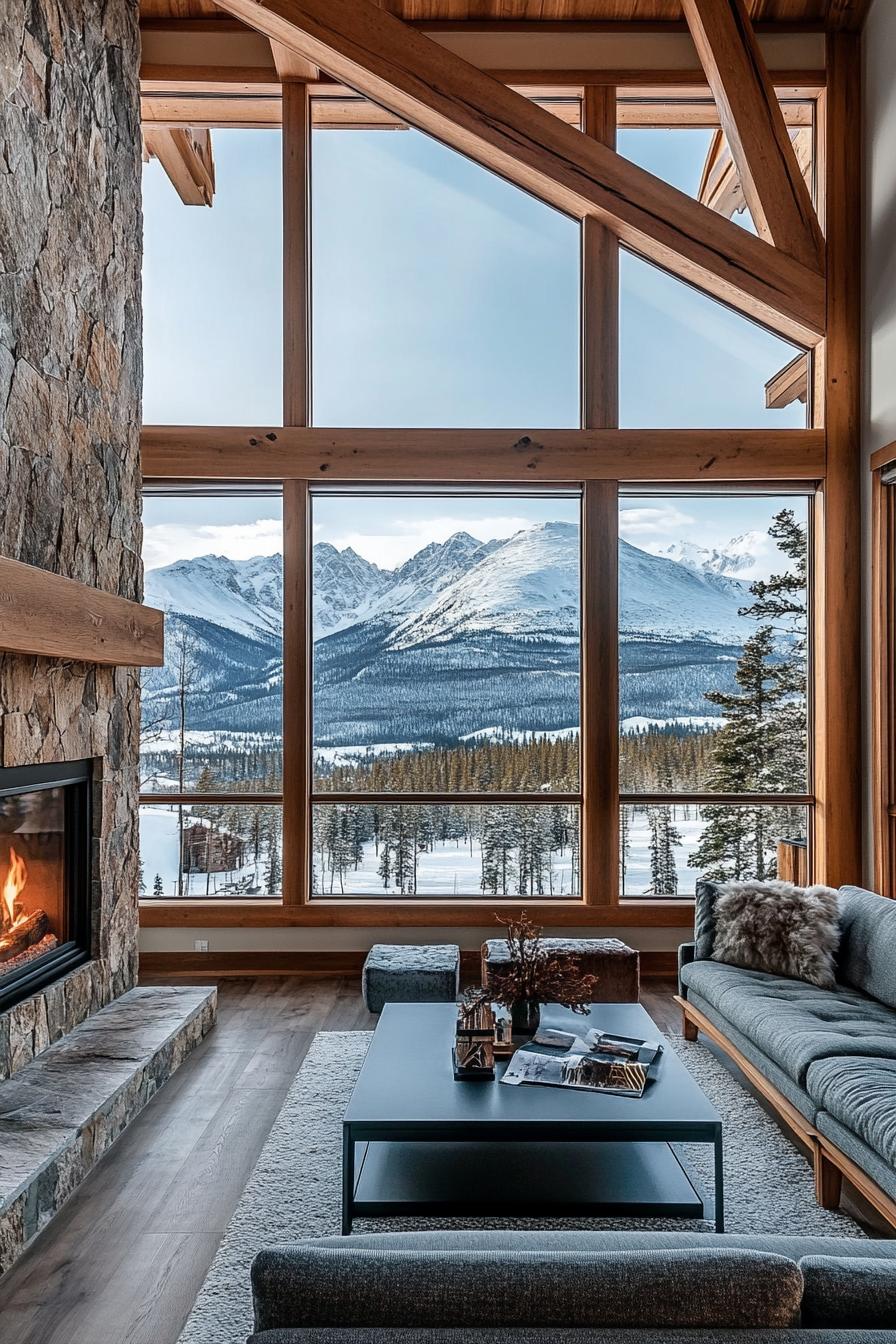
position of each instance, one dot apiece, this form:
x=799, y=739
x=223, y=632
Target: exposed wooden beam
x=197, y=452
x=49, y=616
x=223, y=103
x=435, y=90
x=289, y=66
x=186, y=155
x=773, y=185
x=838, y=542
x=789, y=384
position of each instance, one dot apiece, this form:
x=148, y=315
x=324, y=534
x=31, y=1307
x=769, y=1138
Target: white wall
x=879, y=345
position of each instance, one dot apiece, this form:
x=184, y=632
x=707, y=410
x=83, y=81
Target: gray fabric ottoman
x=403, y=973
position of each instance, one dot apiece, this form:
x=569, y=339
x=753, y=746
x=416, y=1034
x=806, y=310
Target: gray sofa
x=517, y=1287
x=825, y=1058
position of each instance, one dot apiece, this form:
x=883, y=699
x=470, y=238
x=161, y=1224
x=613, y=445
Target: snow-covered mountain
x=462, y=635
x=736, y=559
x=245, y=596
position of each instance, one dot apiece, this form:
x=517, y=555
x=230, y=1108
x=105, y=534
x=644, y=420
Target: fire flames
x=13, y=886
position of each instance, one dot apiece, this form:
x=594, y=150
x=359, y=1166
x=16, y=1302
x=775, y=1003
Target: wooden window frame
x=883, y=670
x=598, y=457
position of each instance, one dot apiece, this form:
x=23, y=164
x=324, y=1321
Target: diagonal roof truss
x=429, y=86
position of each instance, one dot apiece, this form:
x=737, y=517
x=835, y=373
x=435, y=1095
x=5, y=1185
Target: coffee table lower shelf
x=469, y=1179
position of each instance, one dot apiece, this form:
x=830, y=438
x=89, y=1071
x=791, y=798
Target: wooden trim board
x=357, y=913
x=317, y=965
x=48, y=616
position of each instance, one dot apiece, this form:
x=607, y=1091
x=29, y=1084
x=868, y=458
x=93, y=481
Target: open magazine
x=595, y=1062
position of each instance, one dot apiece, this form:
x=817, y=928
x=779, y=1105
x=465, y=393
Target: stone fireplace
x=81, y=1049
x=46, y=838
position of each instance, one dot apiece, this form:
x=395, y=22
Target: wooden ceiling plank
x=444, y=95
x=773, y=185
x=185, y=153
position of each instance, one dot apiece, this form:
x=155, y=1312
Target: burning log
x=27, y=930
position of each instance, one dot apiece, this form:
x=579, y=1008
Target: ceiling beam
x=431, y=88
x=228, y=452
x=773, y=185
x=291, y=67
x=186, y=155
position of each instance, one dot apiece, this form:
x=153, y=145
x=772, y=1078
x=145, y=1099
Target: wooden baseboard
x=654, y=964
x=825, y=1155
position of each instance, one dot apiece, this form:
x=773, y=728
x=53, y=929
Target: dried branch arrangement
x=534, y=975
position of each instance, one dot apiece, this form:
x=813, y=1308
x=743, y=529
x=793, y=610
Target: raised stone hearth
x=63, y=1110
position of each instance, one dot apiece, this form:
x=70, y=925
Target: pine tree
x=762, y=747
x=158, y=889
x=663, y=838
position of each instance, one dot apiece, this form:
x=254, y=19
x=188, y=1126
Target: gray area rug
x=294, y=1190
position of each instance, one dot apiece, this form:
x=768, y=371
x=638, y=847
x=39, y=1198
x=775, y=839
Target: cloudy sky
x=442, y=296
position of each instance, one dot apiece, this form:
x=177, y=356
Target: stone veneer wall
x=70, y=379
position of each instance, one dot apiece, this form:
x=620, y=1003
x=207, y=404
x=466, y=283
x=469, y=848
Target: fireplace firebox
x=45, y=880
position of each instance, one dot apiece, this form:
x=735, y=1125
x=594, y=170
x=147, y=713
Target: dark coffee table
x=417, y=1143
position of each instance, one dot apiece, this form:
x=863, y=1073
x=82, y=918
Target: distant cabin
x=205, y=850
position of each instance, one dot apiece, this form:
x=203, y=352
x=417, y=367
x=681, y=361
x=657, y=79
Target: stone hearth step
x=64, y=1109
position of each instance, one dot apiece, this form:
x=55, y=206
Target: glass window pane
x=212, y=290
x=212, y=716
x=665, y=848
x=713, y=648
x=446, y=653
x=442, y=295
x=676, y=154
x=445, y=850
x=688, y=362
x=223, y=852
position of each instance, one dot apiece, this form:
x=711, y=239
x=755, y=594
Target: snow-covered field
x=450, y=869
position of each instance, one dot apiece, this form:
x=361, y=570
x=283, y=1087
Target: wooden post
x=838, y=566
x=600, y=528
x=296, y=522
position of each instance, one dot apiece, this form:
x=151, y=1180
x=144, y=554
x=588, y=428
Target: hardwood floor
x=123, y=1262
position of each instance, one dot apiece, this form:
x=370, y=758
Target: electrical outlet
x=200, y=944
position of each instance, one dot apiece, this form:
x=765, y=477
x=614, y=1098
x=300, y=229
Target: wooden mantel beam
x=773, y=184
x=435, y=90
x=48, y=616
x=200, y=452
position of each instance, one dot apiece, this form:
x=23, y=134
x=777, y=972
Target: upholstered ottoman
x=398, y=973
x=616, y=965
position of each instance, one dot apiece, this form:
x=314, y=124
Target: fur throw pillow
x=779, y=928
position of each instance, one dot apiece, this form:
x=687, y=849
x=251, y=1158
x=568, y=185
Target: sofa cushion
x=861, y=1094
x=537, y=1335
x=310, y=1284
x=705, y=918
x=795, y=1094
x=848, y=1292
x=881, y=1172
x=780, y=928
x=792, y=1022
x=867, y=957
x=508, y=1241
